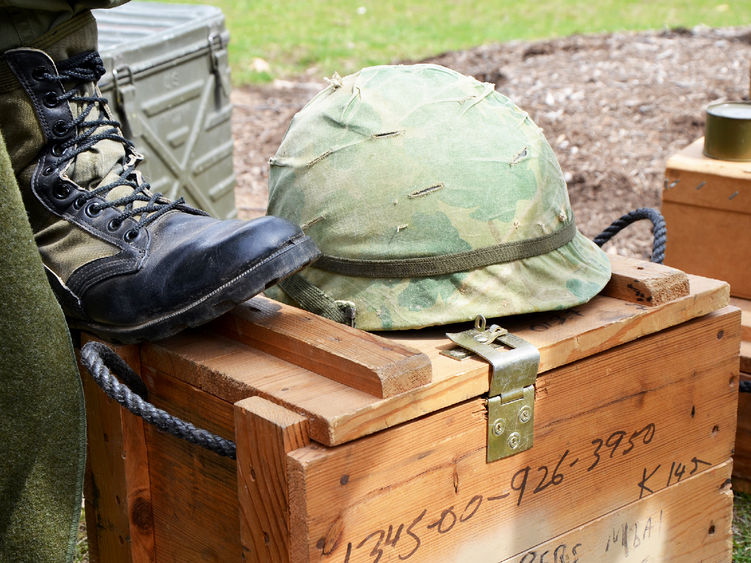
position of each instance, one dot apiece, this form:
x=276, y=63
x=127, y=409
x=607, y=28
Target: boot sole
x=291, y=258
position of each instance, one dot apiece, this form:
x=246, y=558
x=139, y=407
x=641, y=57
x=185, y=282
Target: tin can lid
x=727, y=134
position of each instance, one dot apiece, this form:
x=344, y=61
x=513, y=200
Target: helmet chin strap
x=314, y=299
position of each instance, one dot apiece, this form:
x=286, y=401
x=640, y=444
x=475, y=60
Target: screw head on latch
x=525, y=414
x=498, y=427
x=514, y=440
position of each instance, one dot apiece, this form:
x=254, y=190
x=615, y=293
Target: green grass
x=742, y=528
x=298, y=36
x=81, y=554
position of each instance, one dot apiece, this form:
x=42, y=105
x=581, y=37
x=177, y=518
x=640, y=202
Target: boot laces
x=88, y=67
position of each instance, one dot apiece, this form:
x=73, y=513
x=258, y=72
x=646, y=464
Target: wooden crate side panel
x=710, y=242
x=745, y=306
x=742, y=455
x=708, y=190
x=691, y=177
x=646, y=365
x=194, y=491
x=691, y=521
x=117, y=488
x=265, y=433
x=424, y=491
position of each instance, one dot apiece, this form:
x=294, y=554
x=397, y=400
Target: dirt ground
x=613, y=106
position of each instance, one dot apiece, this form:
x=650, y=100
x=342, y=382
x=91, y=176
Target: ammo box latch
x=219, y=62
x=124, y=85
x=511, y=399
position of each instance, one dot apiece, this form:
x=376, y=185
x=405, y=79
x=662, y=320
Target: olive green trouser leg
x=23, y=21
x=42, y=416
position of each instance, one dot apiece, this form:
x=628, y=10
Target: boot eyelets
x=57, y=150
x=131, y=235
x=39, y=73
x=50, y=99
x=47, y=170
x=61, y=191
x=60, y=128
x=92, y=210
x=79, y=202
x=114, y=225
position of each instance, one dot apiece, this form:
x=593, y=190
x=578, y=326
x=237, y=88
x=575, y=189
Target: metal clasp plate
x=511, y=399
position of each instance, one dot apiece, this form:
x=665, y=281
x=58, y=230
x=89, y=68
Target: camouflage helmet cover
x=433, y=199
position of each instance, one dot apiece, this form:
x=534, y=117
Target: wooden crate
x=358, y=447
x=742, y=455
x=707, y=207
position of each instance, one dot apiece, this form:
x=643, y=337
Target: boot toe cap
x=200, y=263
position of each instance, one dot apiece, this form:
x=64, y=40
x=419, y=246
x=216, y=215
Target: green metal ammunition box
x=168, y=83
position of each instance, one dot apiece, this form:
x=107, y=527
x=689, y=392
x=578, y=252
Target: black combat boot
x=125, y=264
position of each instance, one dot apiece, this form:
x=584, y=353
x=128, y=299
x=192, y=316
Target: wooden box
x=358, y=447
x=707, y=207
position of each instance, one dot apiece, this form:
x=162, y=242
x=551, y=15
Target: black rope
x=99, y=359
x=659, y=231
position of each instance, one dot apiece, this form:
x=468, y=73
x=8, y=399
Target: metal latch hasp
x=219, y=62
x=124, y=85
x=511, y=399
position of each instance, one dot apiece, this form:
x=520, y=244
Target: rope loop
x=99, y=359
x=659, y=230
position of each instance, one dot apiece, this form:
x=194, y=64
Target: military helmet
x=433, y=199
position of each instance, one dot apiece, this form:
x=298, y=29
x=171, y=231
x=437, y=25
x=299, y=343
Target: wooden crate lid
x=692, y=178
x=349, y=383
